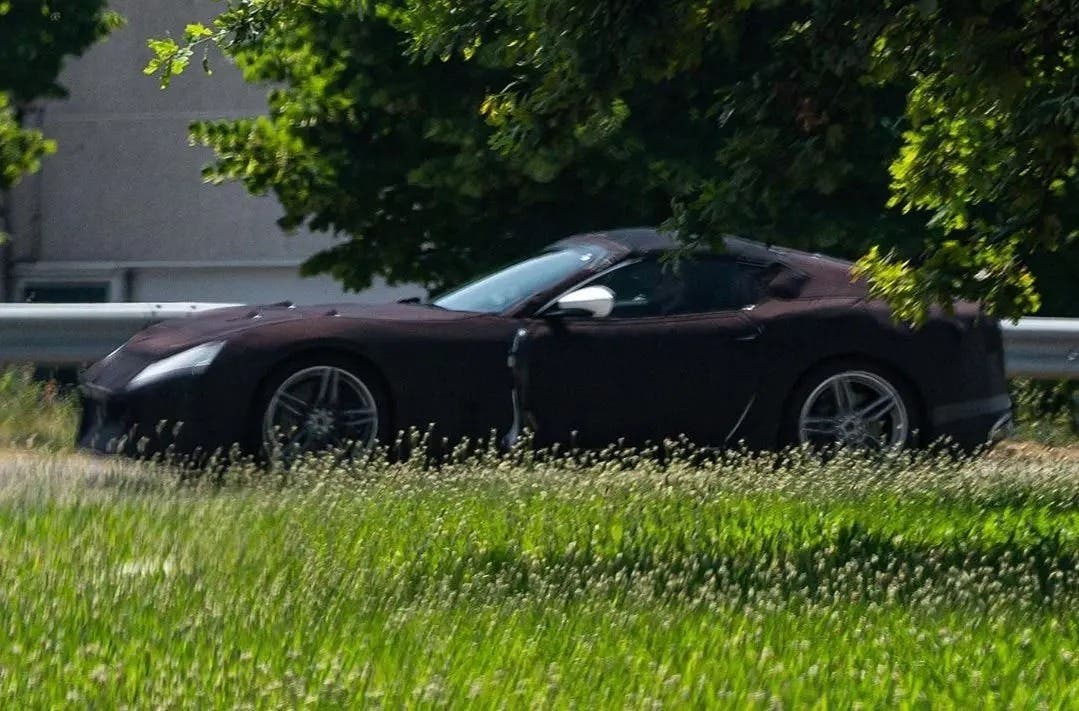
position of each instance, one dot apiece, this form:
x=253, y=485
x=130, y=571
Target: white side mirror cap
x=596, y=301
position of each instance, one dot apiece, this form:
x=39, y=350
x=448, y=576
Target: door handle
x=750, y=335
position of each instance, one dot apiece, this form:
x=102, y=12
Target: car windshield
x=497, y=292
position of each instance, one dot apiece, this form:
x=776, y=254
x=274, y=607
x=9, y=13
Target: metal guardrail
x=1046, y=348
x=63, y=334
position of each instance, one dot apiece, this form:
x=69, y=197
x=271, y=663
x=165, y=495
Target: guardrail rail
x=1042, y=348
x=68, y=334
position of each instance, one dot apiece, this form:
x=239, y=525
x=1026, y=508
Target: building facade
x=120, y=212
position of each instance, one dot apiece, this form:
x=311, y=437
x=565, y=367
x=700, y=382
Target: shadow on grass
x=853, y=564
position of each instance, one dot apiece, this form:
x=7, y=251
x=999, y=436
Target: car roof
x=648, y=240
x=817, y=274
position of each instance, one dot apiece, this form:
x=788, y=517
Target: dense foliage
x=440, y=137
x=21, y=150
x=364, y=140
x=36, y=36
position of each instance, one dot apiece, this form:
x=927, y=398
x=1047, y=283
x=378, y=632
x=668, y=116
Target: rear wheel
x=855, y=405
x=323, y=404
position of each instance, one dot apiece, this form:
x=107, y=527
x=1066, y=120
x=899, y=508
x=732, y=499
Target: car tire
x=849, y=397
x=290, y=396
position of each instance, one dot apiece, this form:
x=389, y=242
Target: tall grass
x=592, y=581
x=36, y=413
x=608, y=580
x=1046, y=411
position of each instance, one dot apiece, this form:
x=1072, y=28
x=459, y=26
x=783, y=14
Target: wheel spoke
x=292, y=404
x=878, y=408
x=335, y=388
x=844, y=396
x=357, y=417
x=819, y=426
x=868, y=440
x=300, y=439
x=328, y=387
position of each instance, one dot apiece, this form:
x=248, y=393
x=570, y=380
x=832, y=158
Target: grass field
x=521, y=582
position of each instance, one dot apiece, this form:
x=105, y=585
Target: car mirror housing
x=590, y=301
x=783, y=283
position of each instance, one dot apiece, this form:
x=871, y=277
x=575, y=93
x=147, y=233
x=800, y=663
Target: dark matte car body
x=719, y=378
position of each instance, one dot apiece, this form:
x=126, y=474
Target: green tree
x=21, y=150
x=364, y=140
x=36, y=36
x=936, y=141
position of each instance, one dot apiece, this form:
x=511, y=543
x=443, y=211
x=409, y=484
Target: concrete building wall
x=122, y=201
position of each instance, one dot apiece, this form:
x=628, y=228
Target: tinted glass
x=652, y=288
x=497, y=292
x=66, y=293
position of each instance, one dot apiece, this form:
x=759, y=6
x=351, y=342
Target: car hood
x=220, y=324
x=168, y=337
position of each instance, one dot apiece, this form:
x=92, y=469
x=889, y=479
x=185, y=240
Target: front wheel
x=319, y=406
x=854, y=405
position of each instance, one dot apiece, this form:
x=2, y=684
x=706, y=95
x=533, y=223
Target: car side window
x=691, y=285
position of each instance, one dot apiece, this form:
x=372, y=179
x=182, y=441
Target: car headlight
x=190, y=362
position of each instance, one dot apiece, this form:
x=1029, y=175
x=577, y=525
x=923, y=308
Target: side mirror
x=781, y=282
x=593, y=301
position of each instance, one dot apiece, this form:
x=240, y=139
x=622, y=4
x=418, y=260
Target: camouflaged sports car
x=600, y=338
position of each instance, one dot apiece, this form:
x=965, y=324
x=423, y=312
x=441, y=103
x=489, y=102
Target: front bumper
x=171, y=420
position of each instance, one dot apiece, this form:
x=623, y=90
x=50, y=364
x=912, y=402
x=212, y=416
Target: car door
x=667, y=362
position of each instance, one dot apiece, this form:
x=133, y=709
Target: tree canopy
x=935, y=140
x=36, y=36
